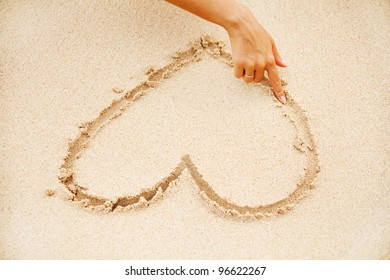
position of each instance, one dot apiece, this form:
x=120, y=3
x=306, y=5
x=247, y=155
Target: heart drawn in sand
x=199, y=49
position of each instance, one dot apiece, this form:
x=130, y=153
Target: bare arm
x=254, y=50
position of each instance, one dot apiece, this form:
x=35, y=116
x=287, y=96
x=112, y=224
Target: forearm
x=226, y=13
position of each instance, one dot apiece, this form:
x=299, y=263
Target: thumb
x=278, y=58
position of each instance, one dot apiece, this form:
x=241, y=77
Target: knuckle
x=239, y=62
x=249, y=63
x=275, y=87
x=260, y=63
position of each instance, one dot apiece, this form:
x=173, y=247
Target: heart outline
x=205, y=45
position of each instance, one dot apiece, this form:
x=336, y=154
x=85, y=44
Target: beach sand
x=124, y=134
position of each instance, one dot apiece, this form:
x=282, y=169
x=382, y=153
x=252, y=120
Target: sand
x=130, y=138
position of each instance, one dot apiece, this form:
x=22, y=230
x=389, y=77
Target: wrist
x=234, y=20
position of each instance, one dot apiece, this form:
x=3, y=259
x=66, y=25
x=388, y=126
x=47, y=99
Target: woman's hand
x=254, y=51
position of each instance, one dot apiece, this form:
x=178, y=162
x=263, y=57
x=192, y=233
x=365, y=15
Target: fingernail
x=283, y=99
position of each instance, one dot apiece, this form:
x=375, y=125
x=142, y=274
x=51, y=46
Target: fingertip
x=278, y=58
x=238, y=73
x=282, y=99
x=281, y=63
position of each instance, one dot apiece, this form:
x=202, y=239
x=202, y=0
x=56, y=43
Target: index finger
x=276, y=83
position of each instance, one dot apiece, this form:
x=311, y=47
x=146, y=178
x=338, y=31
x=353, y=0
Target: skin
x=253, y=49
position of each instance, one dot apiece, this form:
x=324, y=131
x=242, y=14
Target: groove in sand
x=198, y=50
